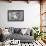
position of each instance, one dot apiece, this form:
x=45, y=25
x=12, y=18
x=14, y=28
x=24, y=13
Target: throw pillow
x=11, y=30
x=17, y=30
x=23, y=31
x=28, y=31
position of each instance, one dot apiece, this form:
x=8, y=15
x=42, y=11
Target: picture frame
x=15, y=15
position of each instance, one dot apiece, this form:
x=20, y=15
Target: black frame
x=17, y=13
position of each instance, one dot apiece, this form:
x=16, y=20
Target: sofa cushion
x=20, y=37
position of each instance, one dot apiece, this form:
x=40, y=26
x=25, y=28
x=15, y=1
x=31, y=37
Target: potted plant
x=37, y=33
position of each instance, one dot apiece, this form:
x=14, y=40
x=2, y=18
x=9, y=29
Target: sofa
x=22, y=34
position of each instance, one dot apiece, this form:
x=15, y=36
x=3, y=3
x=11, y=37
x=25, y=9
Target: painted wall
x=31, y=14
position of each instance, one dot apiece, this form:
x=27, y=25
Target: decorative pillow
x=5, y=32
x=11, y=30
x=23, y=31
x=28, y=31
x=17, y=30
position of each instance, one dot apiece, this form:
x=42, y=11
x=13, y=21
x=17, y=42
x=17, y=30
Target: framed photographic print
x=15, y=15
